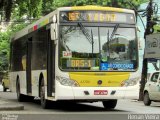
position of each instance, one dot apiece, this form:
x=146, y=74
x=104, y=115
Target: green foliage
x=6, y=6
x=47, y=6
x=157, y=28
x=33, y=9
x=4, y=51
x=37, y=8
x=4, y=44
x=110, y=3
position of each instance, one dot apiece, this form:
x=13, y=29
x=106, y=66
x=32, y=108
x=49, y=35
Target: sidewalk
x=9, y=105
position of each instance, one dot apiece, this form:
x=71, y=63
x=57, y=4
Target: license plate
x=100, y=92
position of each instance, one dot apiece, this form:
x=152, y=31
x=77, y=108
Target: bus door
x=28, y=66
x=50, y=66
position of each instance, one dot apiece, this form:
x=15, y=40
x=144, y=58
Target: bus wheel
x=20, y=97
x=146, y=99
x=44, y=102
x=110, y=104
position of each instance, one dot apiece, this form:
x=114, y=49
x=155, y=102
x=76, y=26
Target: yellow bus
x=77, y=54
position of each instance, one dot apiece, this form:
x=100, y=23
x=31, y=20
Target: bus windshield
x=112, y=48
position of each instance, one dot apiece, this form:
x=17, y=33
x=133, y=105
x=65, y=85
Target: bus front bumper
x=96, y=93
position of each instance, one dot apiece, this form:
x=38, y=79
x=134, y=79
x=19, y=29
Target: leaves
x=31, y=8
x=23, y=10
x=4, y=44
x=4, y=51
x=109, y=3
x=6, y=5
x=36, y=8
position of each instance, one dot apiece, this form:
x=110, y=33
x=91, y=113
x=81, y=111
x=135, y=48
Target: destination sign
x=80, y=63
x=97, y=16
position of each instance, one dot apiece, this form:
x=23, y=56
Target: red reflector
x=35, y=27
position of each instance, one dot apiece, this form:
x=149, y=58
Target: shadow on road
x=65, y=106
x=76, y=107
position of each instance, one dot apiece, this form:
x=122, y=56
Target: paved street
x=83, y=111
x=123, y=106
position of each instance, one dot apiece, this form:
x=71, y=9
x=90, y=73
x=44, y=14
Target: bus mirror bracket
x=54, y=31
x=140, y=43
x=138, y=28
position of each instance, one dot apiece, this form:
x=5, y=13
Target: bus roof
x=48, y=18
x=98, y=8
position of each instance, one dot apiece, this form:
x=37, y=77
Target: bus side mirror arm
x=54, y=31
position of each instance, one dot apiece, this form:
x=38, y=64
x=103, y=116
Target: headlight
x=133, y=80
x=67, y=81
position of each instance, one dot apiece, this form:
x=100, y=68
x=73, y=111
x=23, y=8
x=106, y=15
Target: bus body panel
x=22, y=79
x=78, y=93
x=99, y=8
x=35, y=81
x=107, y=79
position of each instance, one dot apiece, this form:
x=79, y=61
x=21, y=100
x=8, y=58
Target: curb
x=11, y=107
x=7, y=105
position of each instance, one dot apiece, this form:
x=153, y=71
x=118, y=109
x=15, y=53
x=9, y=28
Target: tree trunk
x=8, y=9
x=149, y=30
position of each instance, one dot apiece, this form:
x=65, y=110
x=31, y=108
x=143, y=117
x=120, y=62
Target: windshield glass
x=98, y=48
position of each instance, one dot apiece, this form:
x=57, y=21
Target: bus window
x=94, y=44
x=39, y=50
x=19, y=50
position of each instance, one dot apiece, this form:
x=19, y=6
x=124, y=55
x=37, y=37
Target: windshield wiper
x=87, y=35
x=92, y=42
x=84, y=31
x=109, y=39
x=114, y=31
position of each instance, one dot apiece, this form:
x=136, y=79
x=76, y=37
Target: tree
x=36, y=8
x=22, y=10
x=113, y=3
x=47, y=6
x=4, y=45
x=29, y=8
x=6, y=5
x=4, y=52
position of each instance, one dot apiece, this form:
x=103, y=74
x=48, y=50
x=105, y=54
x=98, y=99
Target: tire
x=109, y=104
x=146, y=100
x=20, y=97
x=44, y=102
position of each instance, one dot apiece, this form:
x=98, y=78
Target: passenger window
x=155, y=77
x=39, y=50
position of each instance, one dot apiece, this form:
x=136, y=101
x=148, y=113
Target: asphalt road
x=81, y=111
x=123, y=106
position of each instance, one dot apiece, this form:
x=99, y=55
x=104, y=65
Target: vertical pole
x=148, y=31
